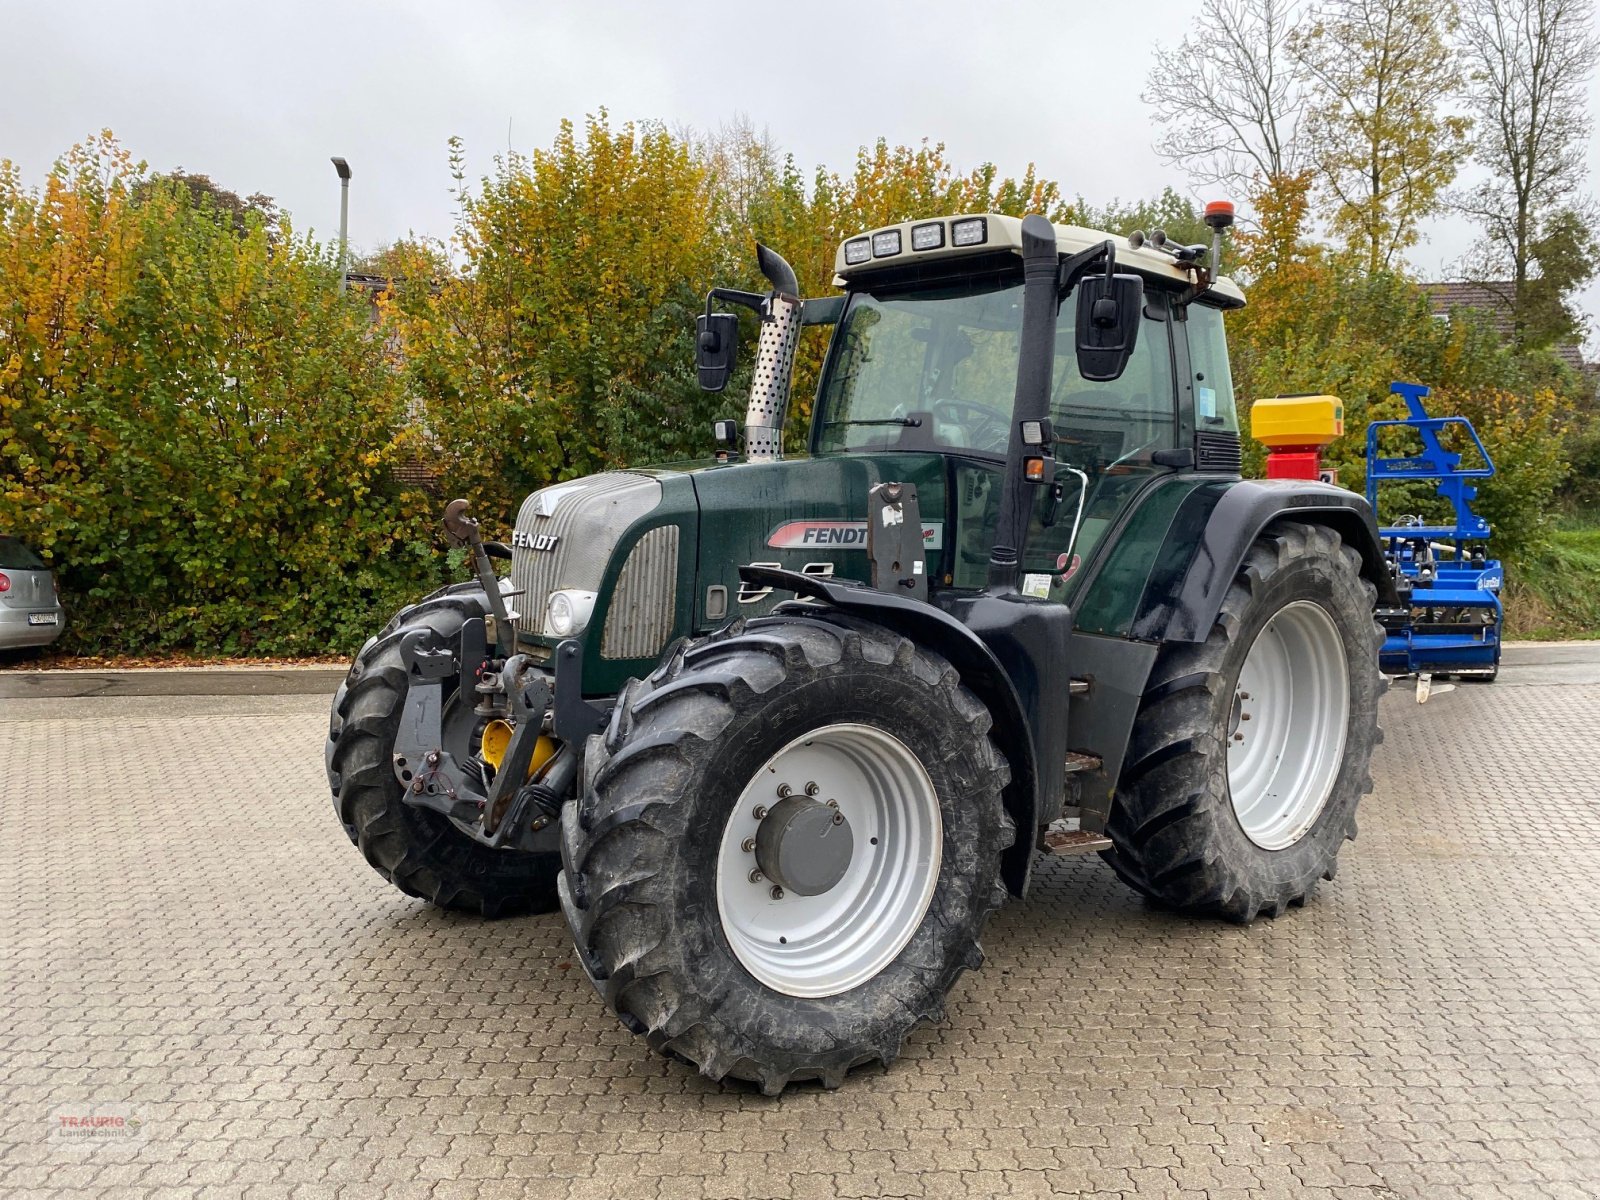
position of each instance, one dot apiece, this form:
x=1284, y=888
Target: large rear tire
x=704, y=771
x=1252, y=749
x=417, y=850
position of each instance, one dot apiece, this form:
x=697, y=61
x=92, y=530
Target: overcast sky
x=258, y=96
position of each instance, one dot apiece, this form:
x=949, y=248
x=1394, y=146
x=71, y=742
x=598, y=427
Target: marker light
x=886, y=243
x=927, y=237
x=857, y=251
x=1033, y=470
x=974, y=231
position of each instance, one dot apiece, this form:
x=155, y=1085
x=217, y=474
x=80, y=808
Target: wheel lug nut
x=1238, y=737
x=833, y=804
x=756, y=876
x=1244, y=695
x=812, y=789
x=1244, y=716
x=776, y=893
x=784, y=791
x=760, y=812
x=748, y=845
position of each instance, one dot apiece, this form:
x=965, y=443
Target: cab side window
x=1213, y=381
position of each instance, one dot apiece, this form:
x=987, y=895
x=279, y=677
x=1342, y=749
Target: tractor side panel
x=1144, y=544
x=805, y=515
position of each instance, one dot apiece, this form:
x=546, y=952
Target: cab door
x=1106, y=436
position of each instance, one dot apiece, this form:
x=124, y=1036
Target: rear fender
x=1181, y=601
x=981, y=671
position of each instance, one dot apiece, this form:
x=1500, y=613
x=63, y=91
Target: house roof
x=1493, y=298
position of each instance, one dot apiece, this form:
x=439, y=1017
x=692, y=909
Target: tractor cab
x=925, y=359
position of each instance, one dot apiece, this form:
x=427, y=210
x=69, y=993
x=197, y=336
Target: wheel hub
x=829, y=860
x=1286, y=727
x=804, y=846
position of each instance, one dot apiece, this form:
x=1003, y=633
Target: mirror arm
x=1076, y=266
x=752, y=300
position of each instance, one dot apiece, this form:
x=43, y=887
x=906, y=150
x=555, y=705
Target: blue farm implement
x=1449, y=615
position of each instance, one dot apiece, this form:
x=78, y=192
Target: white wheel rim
x=829, y=943
x=1286, y=733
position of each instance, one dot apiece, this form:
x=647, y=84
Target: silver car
x=30, y=608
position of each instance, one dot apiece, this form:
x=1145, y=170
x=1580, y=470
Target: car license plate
x=41, y=618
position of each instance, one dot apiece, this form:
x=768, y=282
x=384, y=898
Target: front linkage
x=512, y=787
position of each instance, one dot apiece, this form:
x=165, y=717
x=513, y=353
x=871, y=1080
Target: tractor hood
x=625, y=548
x=620, y=548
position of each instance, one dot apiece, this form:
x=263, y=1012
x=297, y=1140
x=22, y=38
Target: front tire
x=714, y=961
x=417, y=850
x=1252, y=750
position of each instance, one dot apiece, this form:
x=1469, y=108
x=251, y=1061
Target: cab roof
x=982, y=233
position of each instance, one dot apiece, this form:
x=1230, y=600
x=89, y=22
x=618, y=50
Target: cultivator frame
x=1448, y=619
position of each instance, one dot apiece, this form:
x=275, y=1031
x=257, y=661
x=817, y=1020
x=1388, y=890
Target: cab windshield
x=936, y=369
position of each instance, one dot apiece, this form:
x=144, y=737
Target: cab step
x=1082, y=762
x=1073, y=841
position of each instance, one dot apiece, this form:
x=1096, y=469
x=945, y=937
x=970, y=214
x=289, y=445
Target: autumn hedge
x=202, y=434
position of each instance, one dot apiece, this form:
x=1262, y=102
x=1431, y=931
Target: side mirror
x=1110, y=308
x=716, y=347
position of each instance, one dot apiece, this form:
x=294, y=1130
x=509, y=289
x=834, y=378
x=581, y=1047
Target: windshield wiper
x=907, y=422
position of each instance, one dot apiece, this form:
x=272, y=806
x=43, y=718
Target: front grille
x=639, y=620
x=586, y=519
x=1217, y=451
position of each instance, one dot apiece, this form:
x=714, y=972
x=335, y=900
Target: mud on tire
x=419, y=851
x=640, y=847
x=1176, y=837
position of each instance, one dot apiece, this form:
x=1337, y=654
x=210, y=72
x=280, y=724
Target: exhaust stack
x=774, y=367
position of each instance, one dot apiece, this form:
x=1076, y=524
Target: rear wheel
x=1252, y=750
x=787, y=844
x=420, y=851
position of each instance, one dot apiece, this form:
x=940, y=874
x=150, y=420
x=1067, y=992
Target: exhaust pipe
x=774, y=368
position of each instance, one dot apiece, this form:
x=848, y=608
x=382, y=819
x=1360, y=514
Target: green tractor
x=778, y=733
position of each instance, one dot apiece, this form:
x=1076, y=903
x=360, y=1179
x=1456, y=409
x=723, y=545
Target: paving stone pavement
x=191, y=944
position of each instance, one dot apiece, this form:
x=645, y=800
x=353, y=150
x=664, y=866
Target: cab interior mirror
x=1109, y=310
x=716, y=348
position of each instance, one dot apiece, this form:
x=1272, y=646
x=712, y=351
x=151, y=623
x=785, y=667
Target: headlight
x=886, y=243
x=858, y=251
x=567, y=613
x=927, y=237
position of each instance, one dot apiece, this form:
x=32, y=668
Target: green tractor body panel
x=809, y=515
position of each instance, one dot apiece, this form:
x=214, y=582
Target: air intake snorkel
x=1041, y=301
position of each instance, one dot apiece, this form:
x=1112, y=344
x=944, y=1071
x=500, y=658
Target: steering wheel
x=991, y=431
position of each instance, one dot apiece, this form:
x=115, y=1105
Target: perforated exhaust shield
x=769, y=385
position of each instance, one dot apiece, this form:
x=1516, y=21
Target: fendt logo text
x=840, y=535
x=522, y=540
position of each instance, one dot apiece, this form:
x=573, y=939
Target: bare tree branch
x=1529, y=62
x=1228, y=97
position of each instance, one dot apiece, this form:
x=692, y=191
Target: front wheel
x=1252, y=749
x=786, y=847
x=420, y=851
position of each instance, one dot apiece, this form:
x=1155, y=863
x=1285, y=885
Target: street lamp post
x=343, y=168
